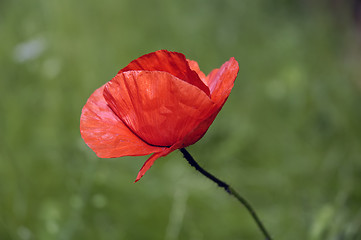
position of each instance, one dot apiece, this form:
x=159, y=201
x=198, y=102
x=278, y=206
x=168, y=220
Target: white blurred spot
x=29, y=50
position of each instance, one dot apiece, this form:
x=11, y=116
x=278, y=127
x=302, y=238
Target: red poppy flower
x=160, y=102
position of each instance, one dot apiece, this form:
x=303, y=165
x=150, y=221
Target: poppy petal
x=158, y=107
x=152, y=159
x=147, y=165
x=106, y=134
x=220, y=81
x=200, y=130
x=195, y=67
x=172, y=62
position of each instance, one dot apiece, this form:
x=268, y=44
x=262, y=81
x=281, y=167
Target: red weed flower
x=160, y=102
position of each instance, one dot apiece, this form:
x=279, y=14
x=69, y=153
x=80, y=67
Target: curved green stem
x=228, y=189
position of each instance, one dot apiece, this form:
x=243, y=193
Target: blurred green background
x=288, y=139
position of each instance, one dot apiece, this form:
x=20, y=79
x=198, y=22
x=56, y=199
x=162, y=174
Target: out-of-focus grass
x=288, y=138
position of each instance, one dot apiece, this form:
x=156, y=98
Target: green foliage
x=288, y=139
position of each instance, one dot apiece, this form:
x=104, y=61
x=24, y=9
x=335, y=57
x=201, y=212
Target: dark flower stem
x=228, y=189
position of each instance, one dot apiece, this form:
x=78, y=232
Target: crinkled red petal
x=106, y=134
x=158, y=107
x=220, y=82
x=195, y=67
x=154, y=157
x=172, y=62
